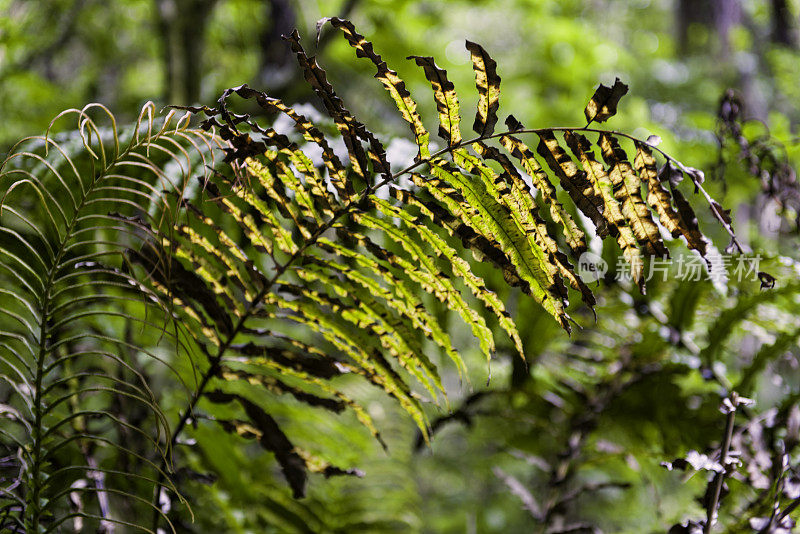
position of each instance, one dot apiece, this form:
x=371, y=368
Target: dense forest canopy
x=399, y=266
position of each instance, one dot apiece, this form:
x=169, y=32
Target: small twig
x=789, y=509
x=711, y=512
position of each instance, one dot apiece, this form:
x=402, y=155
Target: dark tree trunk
x=182, y=24
x=727, y=14
x=277, y=65
x=784, y=29
x=691, y=12
x=278, y=73
x=721, y=15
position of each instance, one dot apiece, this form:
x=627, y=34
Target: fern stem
x=251, y=306
x=33, y=511
x=711, y=512
x=217, y=358
x=33, y=502
x=44, y=333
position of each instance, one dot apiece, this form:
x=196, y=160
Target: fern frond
x=605, y=199
x=603, y=104
x=352, y=131
x=388, y=77
x=728, y=319
x=68, y=305
x=460, y=268
x=282, y=265
x=444, y=94
x=574, y=182
x=628, y=192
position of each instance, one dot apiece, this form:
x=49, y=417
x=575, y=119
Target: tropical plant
x=282, y=271
x=77, y=327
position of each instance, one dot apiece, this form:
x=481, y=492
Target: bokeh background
x=491, y=465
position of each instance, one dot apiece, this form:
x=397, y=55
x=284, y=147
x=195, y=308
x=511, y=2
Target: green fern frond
x=68, y=302
x=324, y=251
x=280, y=276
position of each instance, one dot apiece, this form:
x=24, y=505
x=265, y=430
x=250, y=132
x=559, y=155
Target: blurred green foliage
x=607, y=405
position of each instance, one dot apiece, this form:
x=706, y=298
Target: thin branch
x=789, y=509
x=711, y=512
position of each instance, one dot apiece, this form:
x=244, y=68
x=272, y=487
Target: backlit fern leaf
x=324, y=251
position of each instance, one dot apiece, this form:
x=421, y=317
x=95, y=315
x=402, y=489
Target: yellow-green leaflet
x=390, y=80
x=488, y=83
x=573, y=234
x=462, y=269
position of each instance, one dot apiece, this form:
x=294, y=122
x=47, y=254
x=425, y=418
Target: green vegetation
x=562, y=326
